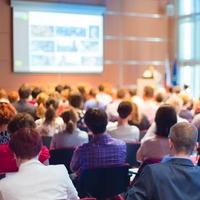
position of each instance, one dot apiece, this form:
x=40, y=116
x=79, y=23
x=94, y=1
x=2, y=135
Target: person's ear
x=171, y=145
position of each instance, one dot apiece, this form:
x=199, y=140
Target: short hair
x=13, y=96
x=96, y=120
x=35, y=92
x=59, y=88
x=21, y=120
x=24, y=91
x=26, y=143
x=101, y=88
x=7, y=112
x=75, y=99
x=3, y=93
x=165, y=118
x=184, y=137
x=52, y=102
x=121, y=93
x=124, y=109
x=148, y=91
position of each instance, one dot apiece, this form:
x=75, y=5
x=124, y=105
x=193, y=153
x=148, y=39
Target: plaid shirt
x=103, y=150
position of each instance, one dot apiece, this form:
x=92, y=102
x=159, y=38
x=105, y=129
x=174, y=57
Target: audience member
x=176, y=177
x=122, y=130
x=51, y=123
x=71, y=136
x=13, y=97
x=158, y=147
x=7, y=112
x=22, y=105
x=111, y=108
x=34, y=180
x=102, y=150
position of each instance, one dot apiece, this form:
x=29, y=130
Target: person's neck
x=181, y=155
x=122, y=122
x=3, y=127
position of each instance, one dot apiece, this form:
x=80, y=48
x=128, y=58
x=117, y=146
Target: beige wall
x=131, y=28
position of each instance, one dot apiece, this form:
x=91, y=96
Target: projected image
x=42, y=31
x=94, y=32
x=70, y=31
x=42, y=46
x=38, y=60
x=89, y=46
x=55, y=41
x=66, y=46
x=91, y=61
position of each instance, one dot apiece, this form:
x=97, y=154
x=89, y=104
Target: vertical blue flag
x=175, y=73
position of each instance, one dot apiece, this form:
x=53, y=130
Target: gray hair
x=184, y=137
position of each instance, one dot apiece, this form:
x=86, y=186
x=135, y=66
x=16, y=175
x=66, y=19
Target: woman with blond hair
x=71, y=136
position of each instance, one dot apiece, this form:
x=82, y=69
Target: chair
x=105, y=182
x=46, y=140
x=131, y=150
x=61, y=156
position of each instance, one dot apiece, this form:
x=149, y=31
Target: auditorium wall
x=136, y=36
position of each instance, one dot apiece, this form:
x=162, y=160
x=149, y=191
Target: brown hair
x=70, y=118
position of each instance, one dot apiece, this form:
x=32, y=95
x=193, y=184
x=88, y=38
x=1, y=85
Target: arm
x=143, y=188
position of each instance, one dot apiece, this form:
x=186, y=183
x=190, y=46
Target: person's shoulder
x=58, y=169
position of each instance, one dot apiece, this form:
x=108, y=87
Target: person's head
x=12, y=96
x=25, y=143
x=165, y=118
x=96, y=120
x=21, y=120
x=24, y=91
x=76, y=99
x=159, y=97
x=135, y=116
x=176, y=102
x=59, y=88
x=52, y=102
x=7, y=112
x=124, y=109
x=3, y=94
x=101, y=88
x=183, y=138
x=50, y=115
x=148, y=92
x=35, y=92
x=121, y=93
x=42, y=98
x=70, y=119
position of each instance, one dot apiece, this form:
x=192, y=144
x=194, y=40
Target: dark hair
x=96, y=120
x=50, y=115
x=75, y=99
x=35, y=92
x=184, y=137
x=26, y=143
x=24, y=91
x=51, y=102
x=70, y=118
x=101, y=88
x=59, y=88
x=124, y=109
x=165, y=118
x=21, y=120
x=7, y=112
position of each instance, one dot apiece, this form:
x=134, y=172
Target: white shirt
x=35, y=181
x=63, y=140
x=126, y=133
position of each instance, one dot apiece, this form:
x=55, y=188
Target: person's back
x=37, y=181
x=176, y=177
x=102, y=150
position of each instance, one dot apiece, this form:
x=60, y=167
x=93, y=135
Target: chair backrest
x=131, y=150
x=105, y=182
x=46, y=140
x=61, y=156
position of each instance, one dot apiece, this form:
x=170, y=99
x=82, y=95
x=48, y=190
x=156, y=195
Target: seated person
x=71, y=136
x=176, y=177
x=122, y=130
x=157, y=147
x=34, y=180
x=102, y=150
x=7, y=160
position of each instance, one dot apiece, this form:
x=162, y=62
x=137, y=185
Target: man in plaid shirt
x=102, y=150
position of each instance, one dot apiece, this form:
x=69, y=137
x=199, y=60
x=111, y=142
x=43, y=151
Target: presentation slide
x=57, y=42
